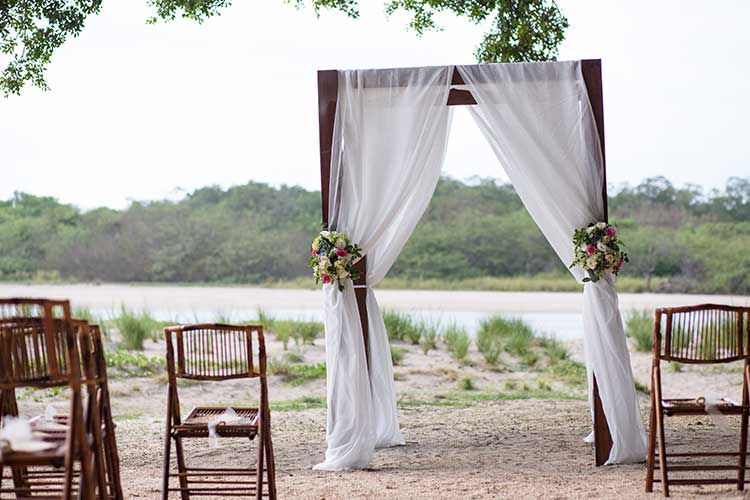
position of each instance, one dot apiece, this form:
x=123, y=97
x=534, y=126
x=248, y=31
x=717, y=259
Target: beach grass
x=457, y=341
x=639, y=326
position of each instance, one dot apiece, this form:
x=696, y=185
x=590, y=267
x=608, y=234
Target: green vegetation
x=568, y=371
x=498, y=334
x=457, y=341
x=122, y=363
x=399, y=326
x=414, y=334
x=475, y=236
x=397, y=355
x=429, y=340
x=299, y=404
x=639, y=326
x=296, y=374
x=302, y=332
x=466, y=384
x=135, y=328
x=469, y=398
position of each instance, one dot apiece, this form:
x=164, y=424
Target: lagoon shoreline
x=226, y=299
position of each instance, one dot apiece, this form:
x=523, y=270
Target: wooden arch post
x=327, y=99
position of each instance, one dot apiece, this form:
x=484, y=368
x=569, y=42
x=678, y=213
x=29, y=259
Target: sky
x=143, y=112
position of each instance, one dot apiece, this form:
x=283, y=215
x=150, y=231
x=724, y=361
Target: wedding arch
x=383, y=136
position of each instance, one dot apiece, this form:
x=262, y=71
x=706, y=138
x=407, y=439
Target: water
x=563, y=326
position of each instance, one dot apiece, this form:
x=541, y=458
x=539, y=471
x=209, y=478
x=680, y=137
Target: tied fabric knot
x=18, y=436
x=713, y=406
x=228, y=417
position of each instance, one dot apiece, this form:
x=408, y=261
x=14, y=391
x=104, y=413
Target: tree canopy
x=31, y=30
x=678, y=238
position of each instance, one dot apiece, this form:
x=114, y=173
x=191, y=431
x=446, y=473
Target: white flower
x=325, y=234
x=602, y=247
x=340, y=243
x=590, y=229
x=601, y=225
x=609, y=258
x=591, y=262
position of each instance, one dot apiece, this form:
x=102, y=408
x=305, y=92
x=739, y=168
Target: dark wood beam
x=328, y=89
x=460, y=98
x=592, y=76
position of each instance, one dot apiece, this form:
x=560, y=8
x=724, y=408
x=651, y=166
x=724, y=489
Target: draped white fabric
x=389, y=142
x=538, y=121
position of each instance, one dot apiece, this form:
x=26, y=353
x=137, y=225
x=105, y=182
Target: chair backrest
x=215, y=351
x=706, y=333
x=37, y=344
x=97, y=351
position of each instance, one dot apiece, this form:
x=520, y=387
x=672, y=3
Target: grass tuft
x=429, y=340
x=498, y=334
x=457, y=341
x=639, y=326
x=397, y=355
x=135, y=328
x=400, y=326
x=302, y=332
x=466, y=384
x=296, y=374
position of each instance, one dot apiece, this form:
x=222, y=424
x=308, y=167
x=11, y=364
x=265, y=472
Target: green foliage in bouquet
x=598, y=250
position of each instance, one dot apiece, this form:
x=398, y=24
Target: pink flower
x=611, y=232
x=619, y=263
x=326, y=279
x=341, y=252
x=590, y=249
x=314, y=252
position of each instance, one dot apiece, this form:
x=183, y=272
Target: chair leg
x=99, y=464
x=651, y=447
x=181, y=468
x=662, y=453
x=743, y=452
x=165, y=468
x=259, y=465
x=86, y=463
x=270, y=467
x=113, y=462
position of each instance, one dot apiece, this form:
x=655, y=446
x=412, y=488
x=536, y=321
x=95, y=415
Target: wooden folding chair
x=111, y=456
x=97, y=410
x=38, y=348
x=702, y=334
x=213, y=352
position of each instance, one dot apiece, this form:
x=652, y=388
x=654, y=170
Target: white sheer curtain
x=389, y=142
x=538, y=120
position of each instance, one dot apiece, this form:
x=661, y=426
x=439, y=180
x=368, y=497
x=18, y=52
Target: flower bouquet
x=333, y=257
x=598, y=250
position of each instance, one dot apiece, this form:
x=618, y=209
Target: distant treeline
x=699, y=242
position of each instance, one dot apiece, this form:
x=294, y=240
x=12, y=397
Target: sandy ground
x=110, y=296
x=514, y=449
